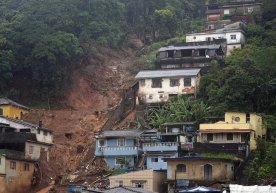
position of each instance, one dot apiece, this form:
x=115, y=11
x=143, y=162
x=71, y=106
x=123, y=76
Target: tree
x=181, y=109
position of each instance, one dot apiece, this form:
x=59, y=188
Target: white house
x=235, y=38
x=157, y=86
x=39, y=139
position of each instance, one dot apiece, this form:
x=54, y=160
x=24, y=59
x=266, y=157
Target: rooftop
x=6, y=101
x=166, y=73
x=120, y=133
x=195, y=158
x=24, y=123
x=210, y=47
x=216, y=32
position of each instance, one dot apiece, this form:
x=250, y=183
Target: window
x=194, y=37
x=181, y=168
x=208, y=39
x=209, y=137
x=142, y=82
x=233, y=37
x=119, y=160
x=38, y=131
x=150, y=96
x=237, y=119
x=226, y=12
x=101, y=143
x=156, y=83
x=1, y=111
x=174, y=82
x=26, y=167
x=250, y=9
x=13, y=165
x=170, y=53
x=230, y=136
x=31, y=149
x=45, y=133
x=121, y=142
x=211, y=27
x=187, y=82
x=154, y=159
x=139, y=185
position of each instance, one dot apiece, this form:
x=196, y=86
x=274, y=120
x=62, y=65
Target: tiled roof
x=167, y=73
x=5, y=101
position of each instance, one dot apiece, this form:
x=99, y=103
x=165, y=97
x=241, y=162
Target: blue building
x=120, y=148
x=171, y=141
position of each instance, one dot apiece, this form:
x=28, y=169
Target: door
x=208, y=172
x=1, y=111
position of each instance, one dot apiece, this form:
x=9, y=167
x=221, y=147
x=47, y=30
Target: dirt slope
x=96, y=88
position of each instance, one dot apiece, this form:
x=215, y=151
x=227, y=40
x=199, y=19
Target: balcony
x=161, y=146
x=117, y=151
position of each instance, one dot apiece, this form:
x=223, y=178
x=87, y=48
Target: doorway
x=208, y=172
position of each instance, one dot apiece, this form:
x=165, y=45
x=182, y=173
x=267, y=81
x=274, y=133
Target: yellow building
x=146, y=179
x=198, y=170
x=236, y=128
x=9, y=108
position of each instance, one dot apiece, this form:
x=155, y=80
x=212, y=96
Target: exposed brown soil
x=96, y=89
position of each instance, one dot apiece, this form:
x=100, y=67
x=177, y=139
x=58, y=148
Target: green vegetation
x=262, y=166
x=181, y=109
x=42, y=42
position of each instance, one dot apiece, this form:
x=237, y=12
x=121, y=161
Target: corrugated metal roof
x=167, y=48
x=5, y=101
x=27, y=124
x=166, y=73
x=126, y=190
x=120, y=133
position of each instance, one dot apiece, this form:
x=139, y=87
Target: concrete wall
x=157, y=95
x=221, y=170
x=44, y=136
x=33, y=150
x=231, y=43
x=153, y=181
x=18, y=180
x=161, y=164
x=12, y=111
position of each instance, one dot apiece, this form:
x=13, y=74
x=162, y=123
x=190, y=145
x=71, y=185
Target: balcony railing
x=161, y=146
x=118, y=150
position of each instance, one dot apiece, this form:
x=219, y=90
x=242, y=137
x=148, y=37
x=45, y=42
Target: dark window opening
x=181, y=168
x=45, y=133
x=187, y=82
x=13, y=165
x=26, y=167
x=229, y=136
x=156, y=83
x=170, y=53
x=210, y=137
x=174, y=82
x=1, y=111
x=186, y=53
x=202, y=52
x=154, y=159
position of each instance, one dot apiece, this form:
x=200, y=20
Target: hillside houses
x=188, y=156
x=22, y=144
x=157, y=86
